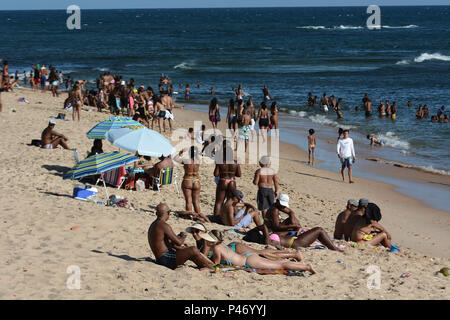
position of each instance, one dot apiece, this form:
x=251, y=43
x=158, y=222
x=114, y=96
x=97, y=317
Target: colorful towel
x=227, y=268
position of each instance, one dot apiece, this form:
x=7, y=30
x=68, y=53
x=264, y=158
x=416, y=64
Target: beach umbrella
x=100, y=129
x=144, y=141
x=98, y=164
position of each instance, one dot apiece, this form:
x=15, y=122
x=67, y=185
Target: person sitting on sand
x=191, y=180
x=368, y=230
x=265, y=178
x=353, y=218
x=342, y=218
x=374, y=141
x=168, y=248
x=195, y=230
x=246, y=213
x=272, y=220
x=226, y=170
x=155, y=171
x=97, y=147
x=225, y=255
x=51, y=139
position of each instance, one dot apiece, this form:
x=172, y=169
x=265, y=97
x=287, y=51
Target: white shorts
x=252, y=124
x=48, y=146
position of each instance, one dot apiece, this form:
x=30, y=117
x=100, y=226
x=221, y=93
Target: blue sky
x=121, y=4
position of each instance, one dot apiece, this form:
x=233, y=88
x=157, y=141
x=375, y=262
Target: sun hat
x=209, y=237
x=197, y=226
x=353, y=202
x=284, y=200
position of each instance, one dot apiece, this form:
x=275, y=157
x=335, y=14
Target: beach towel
x=227, y=268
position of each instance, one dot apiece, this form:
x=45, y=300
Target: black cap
x=238, y=194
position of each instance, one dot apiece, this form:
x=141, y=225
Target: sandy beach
x=110, y=246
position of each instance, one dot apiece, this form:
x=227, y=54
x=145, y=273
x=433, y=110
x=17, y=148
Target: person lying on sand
x=168, y=248
x=51, y=139
x=195, y=230
x=342, y=218
x=245, y=215
x=225, y=255
x=368, y=230
x=374, y=141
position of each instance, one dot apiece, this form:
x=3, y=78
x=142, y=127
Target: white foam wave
x=433, y=170
x=392, y=140
x=342, y=27
x=425, y=57
x=302, y=114
x=431, y=56
x=101, y=69
x=323, y=120
x=185, y=65
x=411, y=26
x=313, y=27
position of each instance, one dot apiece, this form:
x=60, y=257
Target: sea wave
x=411, y=26
x=425, y=57
x=185, y=65
x=429, y=169
x=343, y=27
x=323, y=120
x=392, y=140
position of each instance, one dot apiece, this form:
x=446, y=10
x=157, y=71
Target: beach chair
x=166, y=176
x=130, y=177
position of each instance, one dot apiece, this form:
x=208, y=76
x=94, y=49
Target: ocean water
x=292, y=50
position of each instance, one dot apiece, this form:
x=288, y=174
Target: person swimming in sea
x=375, y=141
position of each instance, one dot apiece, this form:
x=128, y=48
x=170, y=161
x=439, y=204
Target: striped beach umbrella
x=99, y=130
x=99, y=163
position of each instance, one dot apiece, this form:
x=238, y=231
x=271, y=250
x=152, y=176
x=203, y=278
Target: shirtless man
x=353, y=218
x=367, y=105
x=374, y=141
x=244, y=129
x=265, y=178
x=272, y=218
x=342, y=218
x=324, y=103
x=227, y=169
x=237, y=213
x=333, y=102
x=164, y=163
x=168, y=103
x=51, y=139
x=168, y=248
x=382, y=109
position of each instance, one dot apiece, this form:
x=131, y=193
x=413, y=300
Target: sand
x=110, y=246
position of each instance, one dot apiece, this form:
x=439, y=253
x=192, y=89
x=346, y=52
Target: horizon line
x=271, y=7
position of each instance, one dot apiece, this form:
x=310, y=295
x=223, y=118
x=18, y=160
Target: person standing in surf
x=324, y=103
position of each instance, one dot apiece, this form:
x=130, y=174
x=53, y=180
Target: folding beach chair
x=166, y=176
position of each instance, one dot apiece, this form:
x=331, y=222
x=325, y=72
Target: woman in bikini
x=274, y=116
x=231, y=115
x=160, y=113
x=225, y=255
x=191, y=181
x=76, y=98
x=227, y=169
x=368, y=230
x=263, y=116
x=213, y=111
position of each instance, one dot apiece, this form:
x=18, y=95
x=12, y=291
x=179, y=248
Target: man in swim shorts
x=168, y=248
x=265, y=178
x=244, y=130
x=51, y=139
x=237, y=213
x=346, y=154
x=342, y=218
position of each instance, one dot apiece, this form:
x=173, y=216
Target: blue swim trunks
x=346, y=162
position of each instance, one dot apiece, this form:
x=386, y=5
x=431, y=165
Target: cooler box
x=81, y=192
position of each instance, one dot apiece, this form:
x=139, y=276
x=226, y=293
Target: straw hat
x=197, y=226
x=209, y=237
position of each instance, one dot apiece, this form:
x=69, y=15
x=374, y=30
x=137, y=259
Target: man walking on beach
x=168, y=248
x=266, y=178
x=346, y=154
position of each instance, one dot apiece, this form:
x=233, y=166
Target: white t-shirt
x=345, y=148
x=198, y=137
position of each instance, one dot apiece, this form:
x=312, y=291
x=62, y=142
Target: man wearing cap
x=168, y=248
x=272, y=219
x=51, y=139
x=354, y=217
x=342, y=218
x=245, y=215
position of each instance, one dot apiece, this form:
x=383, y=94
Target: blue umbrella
x=100, y=129
x=98, y=164
x=144, y=141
